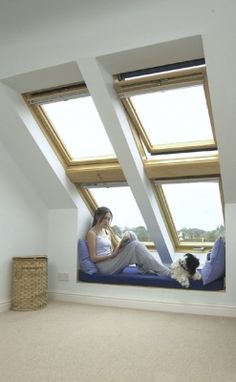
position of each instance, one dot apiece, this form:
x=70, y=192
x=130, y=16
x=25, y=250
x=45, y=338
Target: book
x=127, y=238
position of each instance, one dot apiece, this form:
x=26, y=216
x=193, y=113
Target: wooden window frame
x=92, y=206
x=34, y=100
x=184, y=246
x=171, y=168
x=163, y=81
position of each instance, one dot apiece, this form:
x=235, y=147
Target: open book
x=127, y=237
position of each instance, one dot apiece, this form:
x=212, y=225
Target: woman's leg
x=124, y=258
x=147, y=262
x=133, y=253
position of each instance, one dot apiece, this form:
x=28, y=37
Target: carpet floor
x=72, y=342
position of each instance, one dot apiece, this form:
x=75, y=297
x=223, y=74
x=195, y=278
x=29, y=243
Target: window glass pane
x=126, y=214
x=79, y=127
x=174, y=115
x=195, y=209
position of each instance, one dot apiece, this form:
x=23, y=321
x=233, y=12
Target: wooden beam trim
x=182, y=168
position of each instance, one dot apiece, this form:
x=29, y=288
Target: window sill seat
x=132, y=276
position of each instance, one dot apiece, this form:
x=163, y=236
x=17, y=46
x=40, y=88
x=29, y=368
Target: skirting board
x=210, y=310
x=4, y=306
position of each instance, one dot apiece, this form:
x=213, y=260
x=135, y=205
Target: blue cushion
x=214, y=268
x=85, y=263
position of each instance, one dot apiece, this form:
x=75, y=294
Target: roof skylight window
x=169, y=109
x=124, y=208
x=195, y=210
x=79, y=127
x=174, y=116
x=70, y=121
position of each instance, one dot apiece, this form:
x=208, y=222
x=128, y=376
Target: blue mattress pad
x=132, y=276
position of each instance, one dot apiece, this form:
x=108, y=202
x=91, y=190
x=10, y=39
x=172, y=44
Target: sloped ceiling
x=43, y=43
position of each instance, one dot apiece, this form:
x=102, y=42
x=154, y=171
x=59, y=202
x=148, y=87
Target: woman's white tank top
x=103, y=245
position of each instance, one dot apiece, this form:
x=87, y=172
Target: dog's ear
x=192, y=263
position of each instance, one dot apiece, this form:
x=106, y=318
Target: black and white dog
x=185, y=268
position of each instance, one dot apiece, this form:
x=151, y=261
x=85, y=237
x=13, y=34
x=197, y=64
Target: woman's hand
x=115, y=252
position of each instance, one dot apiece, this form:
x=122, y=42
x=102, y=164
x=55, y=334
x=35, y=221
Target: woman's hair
x=100, y=213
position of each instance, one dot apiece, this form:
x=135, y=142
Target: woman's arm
x=91, y=240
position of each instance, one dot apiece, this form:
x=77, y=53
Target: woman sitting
x=112, y=260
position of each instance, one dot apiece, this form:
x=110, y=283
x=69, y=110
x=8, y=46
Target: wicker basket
x=30, y=283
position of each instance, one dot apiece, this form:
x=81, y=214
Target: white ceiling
x=42, y=43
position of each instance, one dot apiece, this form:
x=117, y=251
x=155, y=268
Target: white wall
x=65, y=227
x=32, y=152
x=23, y=220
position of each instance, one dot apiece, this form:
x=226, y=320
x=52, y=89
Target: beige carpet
x=82, y=343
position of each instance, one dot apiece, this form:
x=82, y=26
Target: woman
x=109, y=260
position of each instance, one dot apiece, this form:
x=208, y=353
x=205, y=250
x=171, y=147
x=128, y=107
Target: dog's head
x=190, y=263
